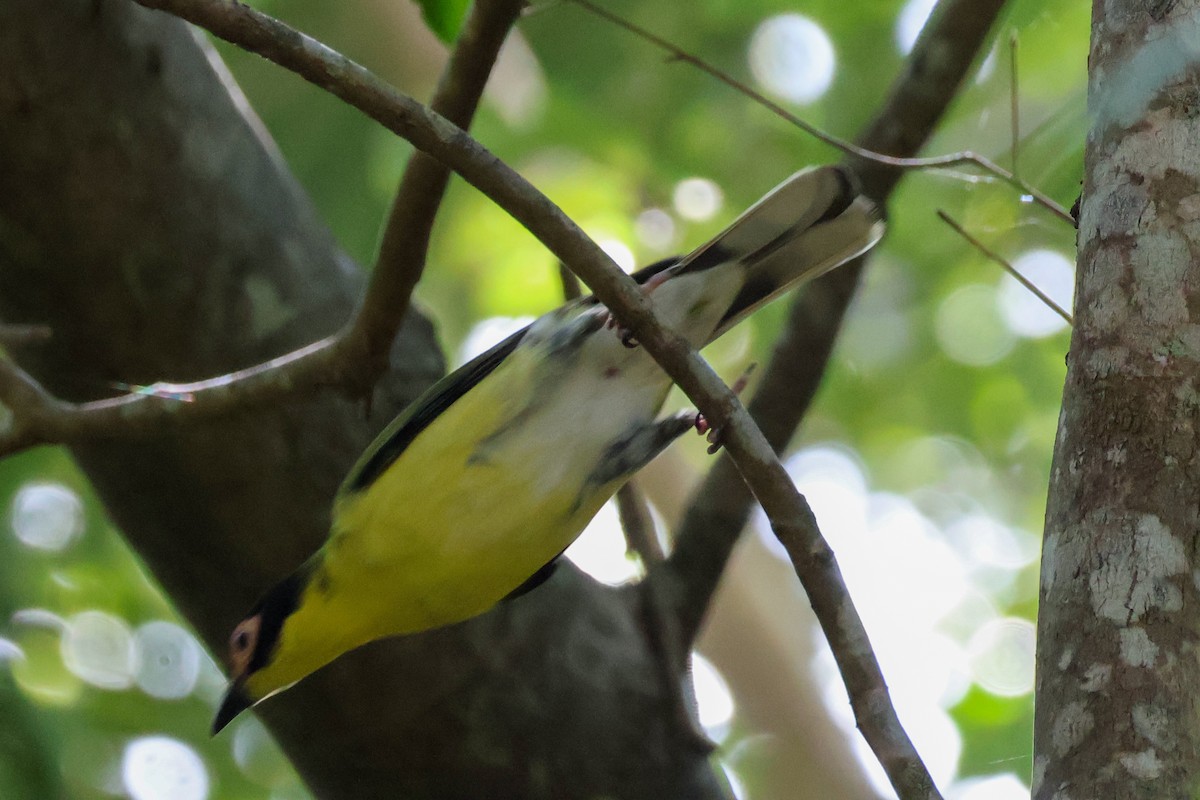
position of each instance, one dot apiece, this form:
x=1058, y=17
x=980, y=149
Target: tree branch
x=37, y=417
x=405, y=244
x=354, y=358
x=426, y=130
x=856, y=151
x=785, y=508
x=721, y=506
x=640, y=536
x=161, y=272
x=996, y=258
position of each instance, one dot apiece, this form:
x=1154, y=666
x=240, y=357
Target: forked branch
x=785, y=508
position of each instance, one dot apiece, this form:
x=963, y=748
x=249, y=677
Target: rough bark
x=152, y=226
x=1118, y=673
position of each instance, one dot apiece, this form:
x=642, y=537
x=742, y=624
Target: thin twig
x=36, y=417
x=668, y=647
x=405, y=243
x=670, y=656
x=1014, y=104
x=638, y=525
x=1009, y=268
x=571, y=288
x=962, y=158
x=720, y=507
x=353, y=358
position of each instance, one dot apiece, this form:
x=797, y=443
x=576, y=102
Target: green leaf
x=444, y=17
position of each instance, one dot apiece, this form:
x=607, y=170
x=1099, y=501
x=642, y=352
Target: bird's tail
x=812, y=222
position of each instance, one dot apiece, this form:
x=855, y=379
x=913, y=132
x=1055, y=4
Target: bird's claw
x=623, y=333
x=715, y=435
x=710, y=433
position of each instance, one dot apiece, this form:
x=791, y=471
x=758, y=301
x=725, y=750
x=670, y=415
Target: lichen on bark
x=1117, y=717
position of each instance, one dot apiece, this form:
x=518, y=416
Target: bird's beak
x=235, y=702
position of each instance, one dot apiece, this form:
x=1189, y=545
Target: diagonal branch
x=996, y=258
x=405, y=242
x=218, y=511
x=721, y=506
x=37, y=417
x=785, y=508
x=856, y=151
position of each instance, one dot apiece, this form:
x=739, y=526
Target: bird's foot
x=712, y=433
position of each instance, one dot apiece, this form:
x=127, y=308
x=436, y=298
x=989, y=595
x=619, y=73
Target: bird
x=469, y=497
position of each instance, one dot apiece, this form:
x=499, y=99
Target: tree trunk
x=1118, y=673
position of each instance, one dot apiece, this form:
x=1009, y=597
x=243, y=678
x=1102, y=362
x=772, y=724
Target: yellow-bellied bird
x=470, y=495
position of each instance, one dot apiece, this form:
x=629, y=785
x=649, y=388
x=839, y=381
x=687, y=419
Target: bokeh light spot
x=489, y=332
x=46, y=516
x=655, y=229
x=697, y=199
x=99, y=648
x=170, y=660
x=991, y=787
x=257, y=756
x=619, y=252
x=1025, y=313
x=39, y=671
x=910, y=21
x=714, y=701
x=969, y=329
x=986, y=542
x=39, y=618
x=10, y=650
x=517, y=89
x=600, y=549
x=1001, y=656
x=792, y=57
x=162, y=768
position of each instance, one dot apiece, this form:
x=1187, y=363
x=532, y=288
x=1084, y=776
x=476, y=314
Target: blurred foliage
x=444, y=17
x=939, y=398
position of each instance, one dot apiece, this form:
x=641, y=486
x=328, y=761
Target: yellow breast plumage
x=493, y=472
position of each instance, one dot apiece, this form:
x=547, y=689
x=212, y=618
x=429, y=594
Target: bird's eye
x=242, y=643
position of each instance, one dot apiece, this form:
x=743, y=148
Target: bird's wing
x=398, y=435
x=809, y=224
x=812, y=222
x=425, y=409
x=535, y=580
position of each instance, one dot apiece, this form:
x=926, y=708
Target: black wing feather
x=535, y=580
x=424, y=410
